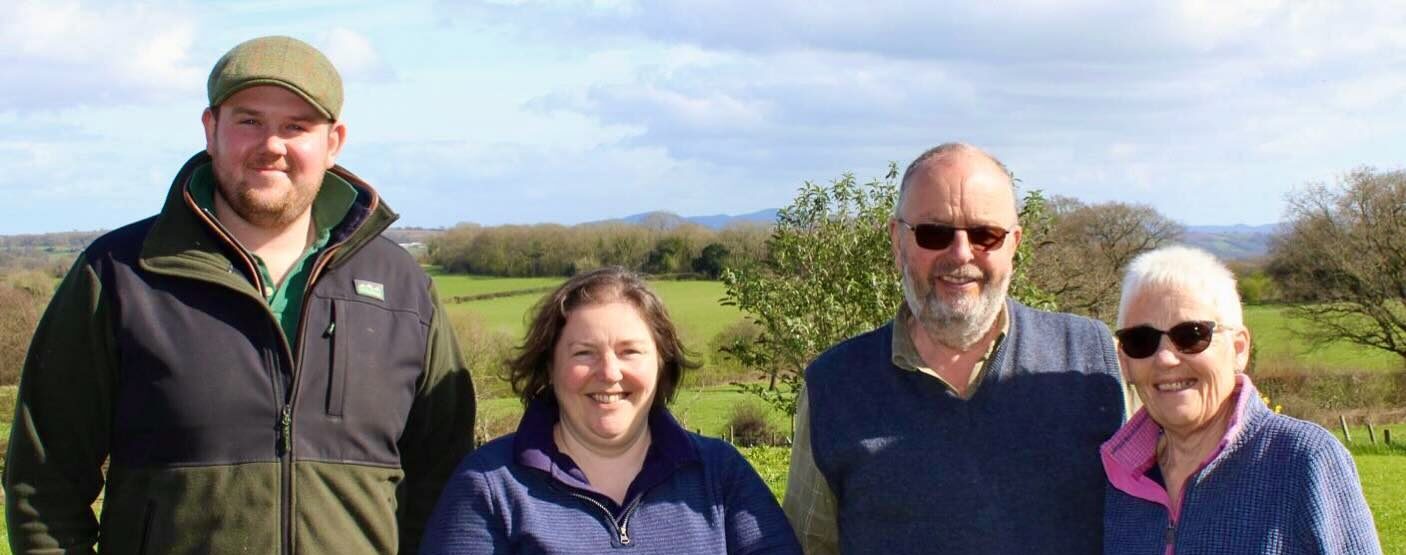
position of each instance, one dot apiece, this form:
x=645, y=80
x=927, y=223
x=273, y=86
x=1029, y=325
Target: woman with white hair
x=1205, y=467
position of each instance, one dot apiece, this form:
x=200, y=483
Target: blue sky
x=568, y=111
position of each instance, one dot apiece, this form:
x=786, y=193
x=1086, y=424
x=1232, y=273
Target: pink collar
x=1131, y=451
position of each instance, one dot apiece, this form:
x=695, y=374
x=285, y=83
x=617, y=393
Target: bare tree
x=1343, y=259
x=1081, y=259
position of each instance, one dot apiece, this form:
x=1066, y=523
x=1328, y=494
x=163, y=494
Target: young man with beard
x=263, y=371
x=970, y=423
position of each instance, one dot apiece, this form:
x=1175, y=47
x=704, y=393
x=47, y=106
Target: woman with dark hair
x=597, y=461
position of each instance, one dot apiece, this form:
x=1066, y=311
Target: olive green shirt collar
x=333, y=202
x=905, y=354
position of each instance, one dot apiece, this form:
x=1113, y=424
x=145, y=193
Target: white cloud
x=355, y=57
x=61, y=54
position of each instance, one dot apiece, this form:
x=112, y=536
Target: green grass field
x=705, y=411
x=460, y=285
x=1384, y=483
x=693, y=305
x=1270, y=329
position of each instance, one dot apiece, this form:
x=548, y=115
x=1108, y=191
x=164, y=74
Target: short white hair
x=1186, y=269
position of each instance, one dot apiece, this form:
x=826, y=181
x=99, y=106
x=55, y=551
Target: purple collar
x=534, y=447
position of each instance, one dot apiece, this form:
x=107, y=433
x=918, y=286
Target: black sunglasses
x=1188, y=337
x=936, y=237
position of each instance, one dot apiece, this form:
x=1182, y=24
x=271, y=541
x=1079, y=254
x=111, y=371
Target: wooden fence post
x=1347, y=436
x=1371, y=433
x=1386, y=435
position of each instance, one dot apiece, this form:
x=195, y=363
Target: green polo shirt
x=905, y=354
x=334, y=200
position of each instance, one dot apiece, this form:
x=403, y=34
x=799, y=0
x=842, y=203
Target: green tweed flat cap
x=283, y=61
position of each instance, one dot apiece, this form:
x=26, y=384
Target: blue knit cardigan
x=520, y=494
x=1277, y=485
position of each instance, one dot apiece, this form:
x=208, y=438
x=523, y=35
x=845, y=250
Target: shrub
x=721, y=348
x=20, y=308
x=1323, y=397
x=722, y=367
x=486, y=351
x=488, y=427
x=773, y=464
x=749, y=425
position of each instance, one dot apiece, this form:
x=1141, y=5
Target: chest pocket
x=371, y=357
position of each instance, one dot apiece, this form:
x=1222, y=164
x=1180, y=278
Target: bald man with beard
x=970, y=423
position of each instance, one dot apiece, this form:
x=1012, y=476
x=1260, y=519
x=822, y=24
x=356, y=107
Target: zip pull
x=331, y=328
x=1171, y=535
x=629, y=511
x=287, y=428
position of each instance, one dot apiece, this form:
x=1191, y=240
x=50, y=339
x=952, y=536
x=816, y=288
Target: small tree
x=829, y=275
x=670, y=255
x=1343, y=258
x=711, y=260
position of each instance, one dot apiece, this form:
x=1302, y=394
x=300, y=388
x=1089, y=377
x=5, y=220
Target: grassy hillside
x=1275, y=344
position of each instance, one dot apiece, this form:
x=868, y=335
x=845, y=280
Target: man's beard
x=262, y=212
x=964, y=321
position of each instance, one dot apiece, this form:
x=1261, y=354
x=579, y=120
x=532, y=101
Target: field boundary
x=498, y=294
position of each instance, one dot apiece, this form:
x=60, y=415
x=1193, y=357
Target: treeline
x=558, y=250
x=62, y=241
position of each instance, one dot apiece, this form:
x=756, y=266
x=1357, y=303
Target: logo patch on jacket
x=370, y=289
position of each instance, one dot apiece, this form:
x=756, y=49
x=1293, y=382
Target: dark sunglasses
x=1188, y=337
x=936, y=237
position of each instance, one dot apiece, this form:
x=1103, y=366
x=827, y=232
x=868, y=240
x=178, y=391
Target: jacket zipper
x=286, y=412
x=287, y=420
x=1170, y=535
x=284, y=443
x=286, y=426
x=622, y=526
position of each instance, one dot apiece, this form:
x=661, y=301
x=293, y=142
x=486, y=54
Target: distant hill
x=1232, y=242
x=669, y=220
x=1228, y=242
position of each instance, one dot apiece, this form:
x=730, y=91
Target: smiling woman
x=1205, y=466
x=597, y=460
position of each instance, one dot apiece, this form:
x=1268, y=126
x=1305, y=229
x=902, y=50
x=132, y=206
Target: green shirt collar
x=333, y=203
x=905, y=354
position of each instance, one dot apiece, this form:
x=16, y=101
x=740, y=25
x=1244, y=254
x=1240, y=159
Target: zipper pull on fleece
x=286, y=428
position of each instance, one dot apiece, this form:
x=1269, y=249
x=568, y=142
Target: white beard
x=963, y=322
